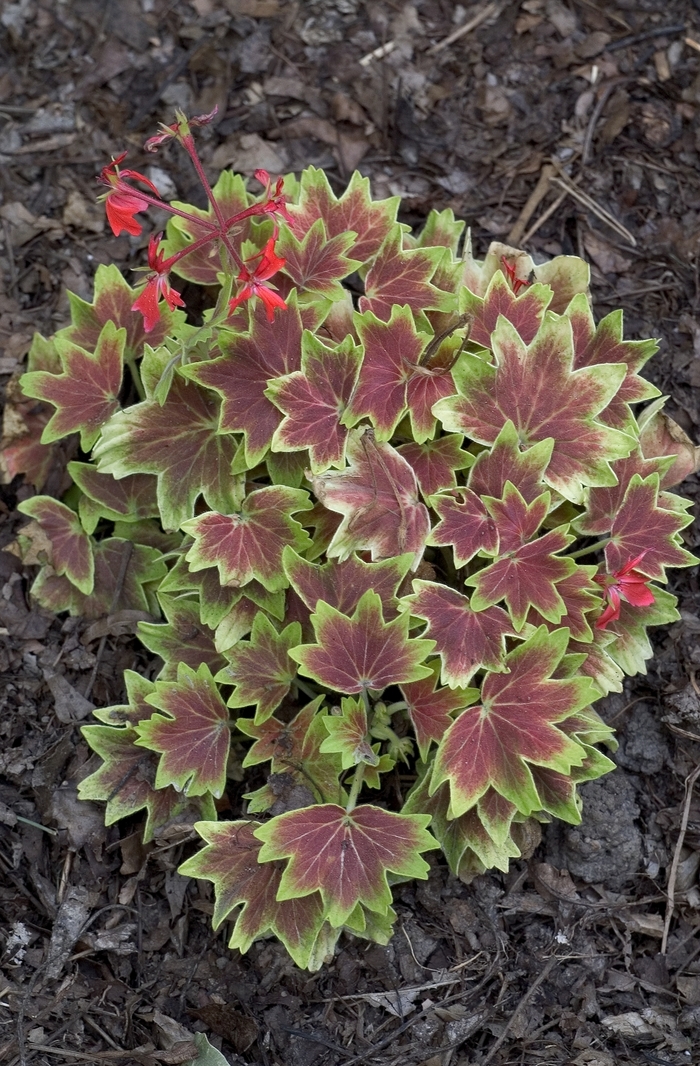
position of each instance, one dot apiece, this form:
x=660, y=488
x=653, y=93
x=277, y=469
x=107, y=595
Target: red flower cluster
x=253, y=280
x=516, y=283
x=123, y=202
x=625, y=584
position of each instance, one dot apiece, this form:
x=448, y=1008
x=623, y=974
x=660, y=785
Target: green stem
x=135, y=376
x=355, y=788
x=400, y=705
x=306, y=689
x=592, y=548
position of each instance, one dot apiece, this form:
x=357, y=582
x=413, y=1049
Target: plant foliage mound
x=388, y=518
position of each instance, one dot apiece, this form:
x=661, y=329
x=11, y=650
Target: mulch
x=572, y=127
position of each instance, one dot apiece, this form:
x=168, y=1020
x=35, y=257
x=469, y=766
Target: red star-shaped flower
x=156, y=286
x=268, y=263
x=624, y=584
x=122, y=202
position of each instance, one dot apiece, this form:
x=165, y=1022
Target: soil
x=108, y=953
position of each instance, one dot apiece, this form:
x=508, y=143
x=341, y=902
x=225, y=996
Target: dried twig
x=670, y=901
x=554, y=206
x=565, y=182
x=531, y=204
x=638, y=38
x=462, y=31
x=378, y=53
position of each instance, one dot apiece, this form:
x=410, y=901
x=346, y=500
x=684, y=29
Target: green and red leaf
x=317, y=263
x=537, y=388
x=231, y=861
x=126, y=779
x=355, y=212
x=179, y=442
x=491, y=745
x=466, y=640
x=241, y=375
x=435, y=461
x=525, y=311
x=261, y=668
x=432, y=709
x=581, y=595
x=345, y=856
x=362, y=652
x=113, y=302
x=192, y=734
x=314, y=400
x=71, y=547
x=505, y=461
x=203, y=266
x=642, y=528
x=342, y=584
x=401, y=276
x=86, y=392
x=377, y=494
x=348, y=735
x=249, y=544
x=465, y=525
x=182, y=639
x=129, y=499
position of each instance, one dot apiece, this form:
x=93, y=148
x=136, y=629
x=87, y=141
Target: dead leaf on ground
x=240, y=1030
x=604, y=255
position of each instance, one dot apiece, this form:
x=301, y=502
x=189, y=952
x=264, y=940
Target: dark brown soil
x=108, y=952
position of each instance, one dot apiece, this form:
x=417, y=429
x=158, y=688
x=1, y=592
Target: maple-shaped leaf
x=123, y=574
x=249, y=543
x=464, y=524
x=203, y=266
x=317, y=263
x=24, y=421
x=355, y=212
x=129, y=499
x=596, y=346
x=441, y=230
x=632, y=647
x=345, y=856
x=506, y=462
x=71, y=547
x=660, y=436
x=280, y=743
x=404, y=276
x=261, y=668
x=113, y=301
x=581, y=595
x=126, y=779
x=431, y=709
x=558, y=792
x=182, y=639
x=348, y=735
x=642, y=528
x=392, y=378
x=378, y=496
x=484, y=829
x=524, y=310
x=294, y=750
x=215, y=600
x=526, y=576
x=465, y=639
x=434, y=462
x=491, y=745
x=537, y=388
x=243, y=372
x=192, y=734
x=179, y=442
x=231, y=860
x=314, y=400
x=361, y=652
x=342, y=584
x=603, y=503
x=86, y=393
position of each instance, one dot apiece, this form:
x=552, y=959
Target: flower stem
x=591, y=548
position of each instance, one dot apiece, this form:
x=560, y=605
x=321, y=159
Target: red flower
x=122, y=202
x=156, y=286
x=625, y=584
x=274, y=203
x=516, y=283
x=269, y=263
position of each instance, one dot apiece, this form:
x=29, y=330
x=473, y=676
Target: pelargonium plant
x=387, y=518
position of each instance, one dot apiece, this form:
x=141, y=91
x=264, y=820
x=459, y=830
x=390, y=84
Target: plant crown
x=386, y=516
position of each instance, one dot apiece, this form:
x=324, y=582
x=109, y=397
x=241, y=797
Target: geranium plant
x=389, y=519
